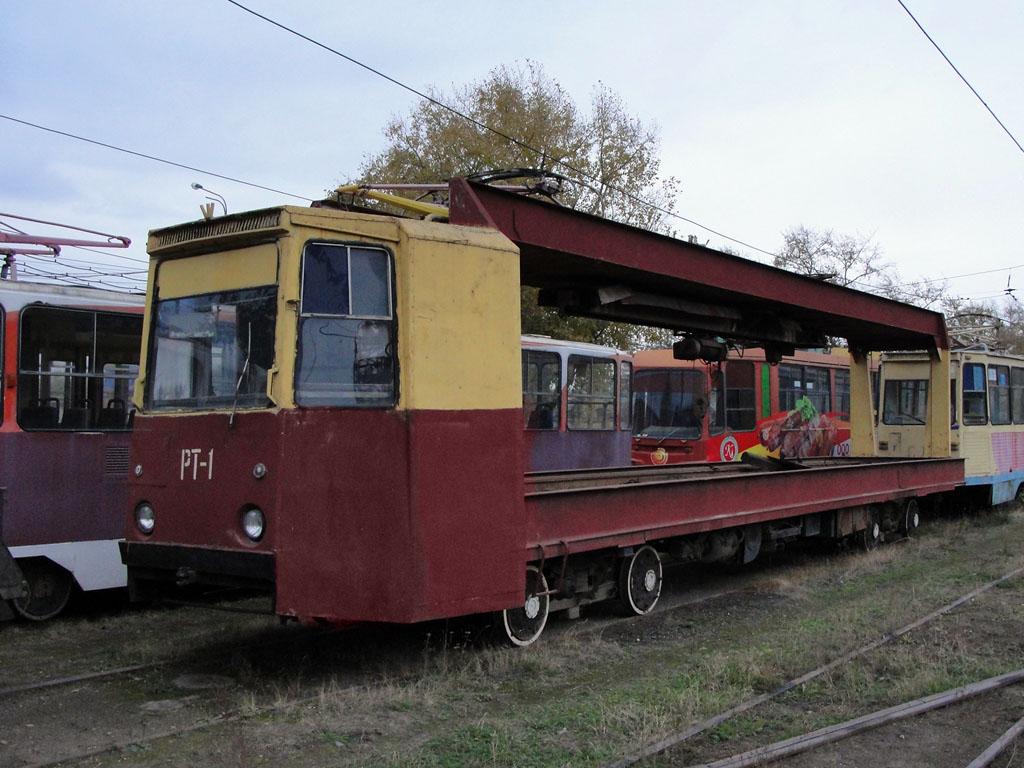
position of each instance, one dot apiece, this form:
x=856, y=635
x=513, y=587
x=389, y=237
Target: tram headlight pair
x=145, y=518
x=254, y=523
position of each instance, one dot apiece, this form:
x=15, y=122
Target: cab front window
x=669, y=403
x=213, y=351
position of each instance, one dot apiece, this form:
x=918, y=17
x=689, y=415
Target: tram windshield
x=905, y=402
x=669, y=403
x=213, y=351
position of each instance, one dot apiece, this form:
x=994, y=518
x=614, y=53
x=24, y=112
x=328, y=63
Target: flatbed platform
x=590, y=509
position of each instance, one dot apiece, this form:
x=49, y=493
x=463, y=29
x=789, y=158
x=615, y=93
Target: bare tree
x=854, y=262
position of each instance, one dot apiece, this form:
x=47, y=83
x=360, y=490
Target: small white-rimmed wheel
x=870, y=536
x=640, y=581
x=49, y=588
x=911, y=518
x=521, y=626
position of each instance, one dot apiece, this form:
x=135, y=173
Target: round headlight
x=253, y=523
x=145, y=518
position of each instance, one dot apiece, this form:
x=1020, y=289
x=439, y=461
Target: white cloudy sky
x=773, y=113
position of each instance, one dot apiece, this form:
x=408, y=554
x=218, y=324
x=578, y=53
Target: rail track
x=268, y=672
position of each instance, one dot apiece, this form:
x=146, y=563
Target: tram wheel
x=522, y=626
x=911, y=518
x=640, y=581
x=49, y=589
x=870, y=536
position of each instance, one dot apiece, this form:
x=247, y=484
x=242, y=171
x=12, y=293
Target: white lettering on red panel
x=195, y=460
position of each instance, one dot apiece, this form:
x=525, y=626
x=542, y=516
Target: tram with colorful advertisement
x=70, y=358
x=691, y=410
x=986, y=388
x=307, y=375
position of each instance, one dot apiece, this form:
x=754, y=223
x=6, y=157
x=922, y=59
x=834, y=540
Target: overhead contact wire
x=153, y=157
x=495, y=131
x=978, y=95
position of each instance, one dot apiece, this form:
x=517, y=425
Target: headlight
x=145, y=518
x=253, y=523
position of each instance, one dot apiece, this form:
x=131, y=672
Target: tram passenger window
x=669, y=403
x=63, y=373
x=590, y=388
x=800, y=381
x=716, y=403
x=346, y=354
x=975, y=410
x=818, y=389
x=790, y=386
x=999, y=393
x=625, y=395
x=117, y=360
x=1017, y=395
x=542, y=389
x=740, y=412
x=905, y=401
x=843, y=391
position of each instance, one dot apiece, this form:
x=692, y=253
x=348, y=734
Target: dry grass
x=584, y=698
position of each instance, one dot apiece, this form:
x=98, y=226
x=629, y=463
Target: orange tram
x=335, y=406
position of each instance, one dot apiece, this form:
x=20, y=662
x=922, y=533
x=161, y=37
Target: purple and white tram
x=70, y=357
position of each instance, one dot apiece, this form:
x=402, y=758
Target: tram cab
x=332, y=397
x=985, y=413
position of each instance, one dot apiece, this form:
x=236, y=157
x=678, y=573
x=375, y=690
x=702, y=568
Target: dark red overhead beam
x=537, y=225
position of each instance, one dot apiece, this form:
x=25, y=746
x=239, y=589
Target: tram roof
x=599, y=268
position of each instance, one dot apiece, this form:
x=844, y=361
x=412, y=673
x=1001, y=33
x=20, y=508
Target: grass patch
x=587, y=698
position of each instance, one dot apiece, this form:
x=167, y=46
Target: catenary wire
x=78, y=275
x=978, y=95
x=152, y=157
x=967, y=274
x=485, y=127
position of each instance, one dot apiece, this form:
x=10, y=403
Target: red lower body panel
x=372, y=515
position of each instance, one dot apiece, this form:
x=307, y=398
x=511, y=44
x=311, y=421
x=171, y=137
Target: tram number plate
x=195, y=464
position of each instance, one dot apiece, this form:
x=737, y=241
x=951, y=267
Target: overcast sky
x=773, y=113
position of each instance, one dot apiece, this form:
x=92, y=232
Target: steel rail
x=997, y=746
x=58, y=681
x=831, y=733
x=678, y=738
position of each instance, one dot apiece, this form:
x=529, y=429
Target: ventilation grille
x=229, y=225
x=116, y=460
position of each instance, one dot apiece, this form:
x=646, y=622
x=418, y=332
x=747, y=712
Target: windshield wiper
x=673, y=433
x=241, y=376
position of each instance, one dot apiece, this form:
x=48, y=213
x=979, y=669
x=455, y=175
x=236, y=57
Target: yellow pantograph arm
x=424, y=209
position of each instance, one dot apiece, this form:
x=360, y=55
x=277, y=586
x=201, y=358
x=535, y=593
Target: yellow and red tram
x=331, y=410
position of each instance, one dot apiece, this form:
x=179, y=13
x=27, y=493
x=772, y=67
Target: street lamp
x=211, y=195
